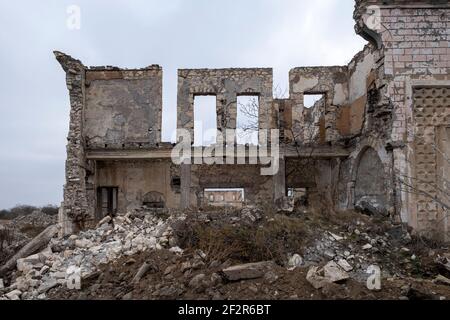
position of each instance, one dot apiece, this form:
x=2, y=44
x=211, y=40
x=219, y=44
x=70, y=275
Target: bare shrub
x=50, y=209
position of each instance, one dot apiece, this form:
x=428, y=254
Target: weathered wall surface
x=226, y=85
x=123, y=108
x=75, y=207
x=332, y=82
x=414, y=37
x=135, y=179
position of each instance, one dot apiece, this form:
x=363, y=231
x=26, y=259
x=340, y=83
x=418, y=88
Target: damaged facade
x=378, y=137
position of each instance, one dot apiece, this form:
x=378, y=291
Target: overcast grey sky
x=34, y=103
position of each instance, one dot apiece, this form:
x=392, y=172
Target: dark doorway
x=106, y=201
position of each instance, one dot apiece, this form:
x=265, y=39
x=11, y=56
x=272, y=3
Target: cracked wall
x=123, y=108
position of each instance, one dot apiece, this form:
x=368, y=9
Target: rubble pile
x=36, y=219
x=21, y=230
x=138, y=256
x=113, y=238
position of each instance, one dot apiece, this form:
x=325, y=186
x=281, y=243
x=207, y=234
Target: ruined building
x=378, y=138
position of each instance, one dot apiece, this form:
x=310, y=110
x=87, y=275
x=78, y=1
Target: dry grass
x=272, y=239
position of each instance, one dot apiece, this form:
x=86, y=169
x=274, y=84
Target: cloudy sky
x=34, y=105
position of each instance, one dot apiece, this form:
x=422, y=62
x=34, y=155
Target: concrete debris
x=440, y=279
x=198, y=281
x=251, y=214
x=41, y=272
x=335, y=237
x=334, y=273
x=295, y=261
x=14, y=295
x=105, y=220
x=372, y=206
x=330, y=273
x=141, y=272
x=345, y=265
x=247, y=271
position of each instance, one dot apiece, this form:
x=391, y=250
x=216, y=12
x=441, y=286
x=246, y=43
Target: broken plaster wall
x=332, y=82
x=123, y=108
x=110, y=108
x=414, y=38
x=137, y=178
x=364, y=124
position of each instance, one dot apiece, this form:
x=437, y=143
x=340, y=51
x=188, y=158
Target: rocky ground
x=234, y=254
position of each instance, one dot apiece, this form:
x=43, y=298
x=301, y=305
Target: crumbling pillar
x=185, y=186
x=279, y=181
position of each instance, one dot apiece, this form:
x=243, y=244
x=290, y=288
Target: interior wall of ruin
x=135, y=179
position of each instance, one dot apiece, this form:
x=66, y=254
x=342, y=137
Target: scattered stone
x=270, y=277
x=330, y=254
x=176, y=250
x=83, y=243
x=141, y=272
x=345, y=265
x=330, y=273
x=440, y=279
x=128, y=296
x=105, y=220
x=197, y=282
x=2, y=285
x=367, y=246
x=334, y=273
x=295, y=262
x=372, y=206
x=14, y=295
x=336, y=237
x=215, y=279
x=251, y=214
x=247, y=271
x=315, y=278
x=44, y=287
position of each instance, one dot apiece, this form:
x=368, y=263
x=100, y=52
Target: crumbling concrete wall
x=123, y=108
x=332, y=82
x=109, y=107
x=226, y=85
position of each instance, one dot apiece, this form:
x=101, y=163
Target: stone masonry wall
x=414, y=36
x=226, y=85
x=75, y=203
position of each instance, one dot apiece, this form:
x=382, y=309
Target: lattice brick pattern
x=431, y=110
